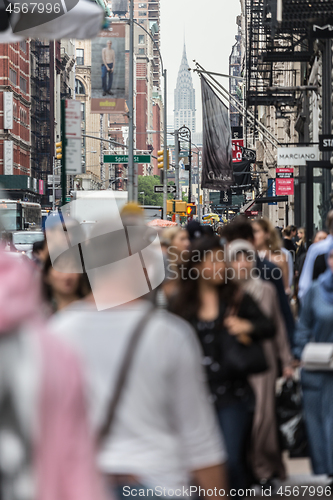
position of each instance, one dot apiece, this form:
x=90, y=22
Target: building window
x=23, y=84
x=83, y=114
x=142, y=5
x=13, y=76
x=141, y=14
x=23, y=46
x=80, y=57
x=141, y=39
x=141, y=52
x=141, y=21
x=79, y=87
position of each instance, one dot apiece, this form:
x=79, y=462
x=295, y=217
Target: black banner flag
x=217, y=171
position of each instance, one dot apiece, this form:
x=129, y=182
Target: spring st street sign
x=124, y=159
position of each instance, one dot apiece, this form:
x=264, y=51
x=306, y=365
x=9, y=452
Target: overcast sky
x=209, y=27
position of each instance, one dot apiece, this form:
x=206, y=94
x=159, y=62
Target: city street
x=166, y=249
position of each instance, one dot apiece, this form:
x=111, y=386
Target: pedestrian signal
x=59, y=150
x=191, y=209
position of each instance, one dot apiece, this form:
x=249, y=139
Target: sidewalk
x=301, y=484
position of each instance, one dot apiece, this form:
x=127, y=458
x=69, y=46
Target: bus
x=19, y=215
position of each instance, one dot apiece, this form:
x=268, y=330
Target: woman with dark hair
x=62, y=288
x=266, y=457
x=269, y=246
x=216, y=307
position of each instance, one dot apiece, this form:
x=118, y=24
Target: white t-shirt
x=164, y=426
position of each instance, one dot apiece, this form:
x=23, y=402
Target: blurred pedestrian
x=316, y=325
x=289, y=256
x=39, y=252
x=268, y=245
x=320, y=248
x=287, y=241
x=293, y=233
x=217, y=309
x=177, y=242
x=62, y=288
x=301, y=249
x=47, y=451
x=320, y=236
x=241, y=228
x=266, y=458
x=149, y=408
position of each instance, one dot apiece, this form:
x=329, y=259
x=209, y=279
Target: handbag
x=317, y=356
x=290, y=419
x=241, y=360
x=123, y=375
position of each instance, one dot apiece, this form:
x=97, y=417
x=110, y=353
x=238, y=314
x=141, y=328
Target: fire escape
x=40, y=109
x=279, y=32
x=270, y=41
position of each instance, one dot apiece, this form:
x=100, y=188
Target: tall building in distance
x=184, y=111
x=147, y=13
x=235, y=69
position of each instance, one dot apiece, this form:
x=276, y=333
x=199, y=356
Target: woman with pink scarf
x=46, y=448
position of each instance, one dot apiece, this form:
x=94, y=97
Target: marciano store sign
x=297, y=156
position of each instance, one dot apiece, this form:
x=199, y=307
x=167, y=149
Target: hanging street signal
x=59, y=150
x=160, y=159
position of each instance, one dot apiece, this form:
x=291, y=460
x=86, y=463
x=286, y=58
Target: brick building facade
x=15, y=79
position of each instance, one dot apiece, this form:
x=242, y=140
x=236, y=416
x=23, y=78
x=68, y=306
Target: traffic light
x=160, y=158
x=59, y=150
x=180, y=206
x=170, y=207
x=191, y=209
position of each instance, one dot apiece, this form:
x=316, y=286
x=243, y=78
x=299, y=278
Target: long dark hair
x=83, y=288
x=186, y=303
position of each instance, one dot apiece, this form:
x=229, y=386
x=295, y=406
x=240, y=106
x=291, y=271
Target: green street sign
x=68, y=198
x=124, y=158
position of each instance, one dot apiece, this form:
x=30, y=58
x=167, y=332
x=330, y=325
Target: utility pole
x=190, y=172
x=131, y=108
x=165, y=164
x=102, y=170
x=53, y=186
x=63, y=160
x=177, y=164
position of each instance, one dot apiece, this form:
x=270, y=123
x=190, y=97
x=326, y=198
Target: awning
x=83, y=21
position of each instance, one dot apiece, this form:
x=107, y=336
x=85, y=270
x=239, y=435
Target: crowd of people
x=119, y=380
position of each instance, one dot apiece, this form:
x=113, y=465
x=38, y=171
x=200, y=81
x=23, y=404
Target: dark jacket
x=226, y=389
x=269, y=271
x=319, y=267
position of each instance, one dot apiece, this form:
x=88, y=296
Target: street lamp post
x=185, y=132
x=143, y=195
x=131, y=179
x=165, y=148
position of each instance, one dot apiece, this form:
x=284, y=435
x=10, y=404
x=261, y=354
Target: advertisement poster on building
x=109, y=70
x=237, y=144
x=284, y=181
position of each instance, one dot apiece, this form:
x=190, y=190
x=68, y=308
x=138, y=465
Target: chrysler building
x=184, y=97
